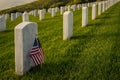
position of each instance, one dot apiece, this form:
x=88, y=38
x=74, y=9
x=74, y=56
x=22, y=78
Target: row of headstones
x=13, y=16
x=105, y=5
x=4, y=17
x=41, y=13
x=53, y=11
x=102, y=6
x=68, y=17
x=62, y=9
x=26, y=32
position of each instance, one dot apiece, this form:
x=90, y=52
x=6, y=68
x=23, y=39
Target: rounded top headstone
x=67, y=12
x=94, y=4
x=84, y=7
x=23, y=24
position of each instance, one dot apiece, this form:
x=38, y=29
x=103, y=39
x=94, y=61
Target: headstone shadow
x=7, y=31
x=49, y=69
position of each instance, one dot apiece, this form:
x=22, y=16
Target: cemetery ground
x=92, y=53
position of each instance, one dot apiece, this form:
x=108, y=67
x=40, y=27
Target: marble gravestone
x=2, y=23
x=35, y=12
x=103, y=6
x=93, y=11
x=69, y=8
x=106, y=5
x=78, y=6
x=65, y=8
x=56, y=9
x=53, y=12
x=44, y=11
x=13, y=16
x=41, y=15
x=99, y=8
x=17, y=14
x=25, y=17
x=73, y=7
x=3, y=15
x=32, y=12
x=50, y=10
x=88, y=4
x=84, y=16
x=67, y=25
x=61, y=10
x=7, y=16
x=24, y=34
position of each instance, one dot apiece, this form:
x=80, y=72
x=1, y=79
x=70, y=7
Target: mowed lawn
x=93, y=53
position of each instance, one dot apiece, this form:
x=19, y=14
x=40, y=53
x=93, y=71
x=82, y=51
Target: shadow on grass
x=50, y=18
x=102, y=21
x=58, y=70
x=6, y=31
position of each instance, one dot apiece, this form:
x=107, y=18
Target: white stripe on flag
x=39, y=58
x=42, y=55
x=36, y=59
x=33, y=59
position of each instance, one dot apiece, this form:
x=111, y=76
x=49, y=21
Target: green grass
x=93, y=53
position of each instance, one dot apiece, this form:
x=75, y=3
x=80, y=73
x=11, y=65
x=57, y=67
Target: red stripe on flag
x=42, y=55
x=33, y=58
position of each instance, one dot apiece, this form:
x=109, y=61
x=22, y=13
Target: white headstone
x=88, y=4
x=44, y=11
x=13, y=17
x=35, y=12
x=17, y=14
x=69, y=8
x=99, y=8
x=20, y=14
x=53, y=12
x=32, y=12
x=50, y=10
x=25, y=17
x=41, y=14
x=56, y=9
x=7, y=16
x=61, y=10
x=3, y=15
x=83, y=5
x=67, y=25
x=78, y=6
x=106, y=5
x=93, y=11
x=65, y=8
x=2, y=23
x=84, y=16
x=73, y=7
x=103, y=6
x=25, y=34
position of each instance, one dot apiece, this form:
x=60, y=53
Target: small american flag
x=37, y=53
